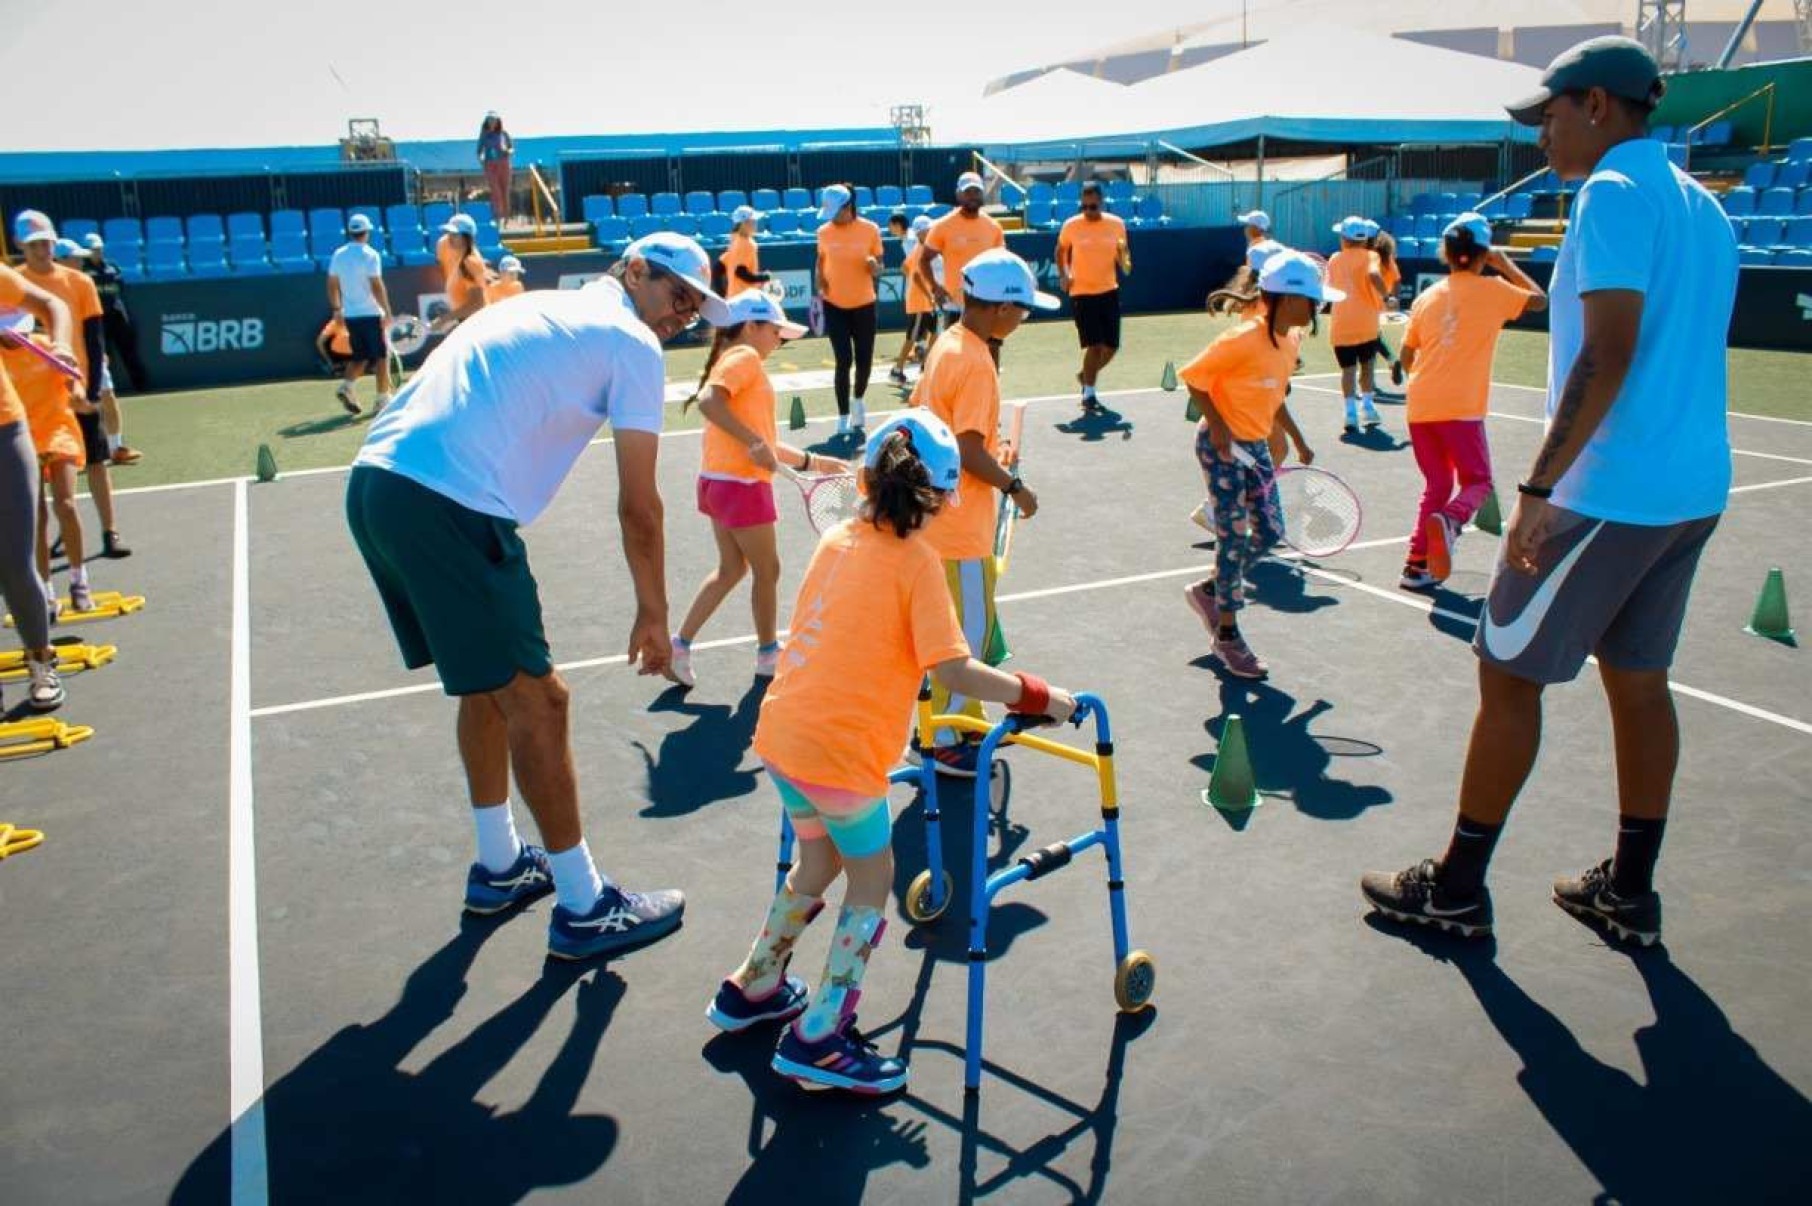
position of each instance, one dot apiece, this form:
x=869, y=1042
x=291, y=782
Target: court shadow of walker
x=1709, y=1121
x=702, y=763
x=1287, y=759
x=350, y=1125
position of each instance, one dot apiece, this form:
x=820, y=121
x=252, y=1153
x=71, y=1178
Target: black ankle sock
x=1468, y=854
x=1638, y=845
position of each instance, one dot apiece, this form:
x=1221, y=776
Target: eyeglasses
x=684, y=299
x=1091, y=207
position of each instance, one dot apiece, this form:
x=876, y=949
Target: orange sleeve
x=937, y=636
x=12, y=287
x=875, y=247
x=1063, y=235
x=734, y=371
x=1412, y=335
x=90, y=304
x=934, y=238
x=1202, y=372
x=971, y=405
x=1514, y=300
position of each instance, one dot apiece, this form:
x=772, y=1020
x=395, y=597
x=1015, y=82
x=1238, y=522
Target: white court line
x=1740, y=414
x=245, y=1013
x=1791, y=481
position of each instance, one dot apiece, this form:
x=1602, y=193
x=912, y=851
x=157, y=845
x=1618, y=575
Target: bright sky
x=255, y=73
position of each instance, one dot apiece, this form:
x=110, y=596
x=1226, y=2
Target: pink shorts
x=736, y=504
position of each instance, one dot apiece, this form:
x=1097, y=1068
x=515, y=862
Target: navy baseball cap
x=1621, y=66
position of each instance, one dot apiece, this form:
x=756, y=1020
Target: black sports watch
x=1015, y=486
x=1543, y=492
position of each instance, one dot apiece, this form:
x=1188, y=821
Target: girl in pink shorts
x=740, y=453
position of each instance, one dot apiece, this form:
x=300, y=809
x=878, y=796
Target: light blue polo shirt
x=1662, y=454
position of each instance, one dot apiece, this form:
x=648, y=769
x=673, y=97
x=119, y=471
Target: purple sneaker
x=840, y=1060
x=1239, y=659
x=1205, y=605
x=733, y=1010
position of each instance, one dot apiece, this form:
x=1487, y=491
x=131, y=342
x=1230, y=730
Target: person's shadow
x=1373, y=439
x=350, y=1125
x=1096, y=425
x=702, y=763
x=1282, y=586
x=1710, y=1122
x=315, y=427
x=1287, y=759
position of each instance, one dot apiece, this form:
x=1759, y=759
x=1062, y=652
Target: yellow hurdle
x=14, y=840
x=40, y=735
x=71, y=659
x=108, y=604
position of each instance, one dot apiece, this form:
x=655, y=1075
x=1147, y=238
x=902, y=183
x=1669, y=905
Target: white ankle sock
x=114, y=442
x=498, y=843
x=78, y=576
x=576, y=879
x=1088, y=391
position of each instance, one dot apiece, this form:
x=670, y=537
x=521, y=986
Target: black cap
x=1621, y=66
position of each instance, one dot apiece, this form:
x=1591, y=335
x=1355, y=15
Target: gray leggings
x=19, y=582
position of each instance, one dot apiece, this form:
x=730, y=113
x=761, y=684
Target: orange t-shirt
x=504, y=286
x=1454, y=327
x=873, y=614
x=12, y=297
x=463, y=278
x=961, y=386
x=1393, y=276
x=739, y=374
x=446, y=255
x=1094, y=253
x=339, y=343
x=740, y=253
x=918, y=301
x=79, y=294
x=1355, y=319
x=959, y=239
x=1245, y=376
x=843, y=253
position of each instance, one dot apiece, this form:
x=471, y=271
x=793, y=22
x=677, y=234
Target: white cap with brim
x=921, y=224
x=997, y=275
x=1352, y=227
x=684, y=258
x=30, y=226
x=93, y=241
x=754, y=305
x=1295, y=273
x=358, y=224
x=1475, y=224
x=1258, y=219
x=745, y=213
x=835, y=198
x=931, y=441
x=510, y=263
x=967, y=181
x=68, y=249
x=461, y=224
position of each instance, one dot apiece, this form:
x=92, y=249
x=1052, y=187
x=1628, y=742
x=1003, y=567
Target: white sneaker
x=842, y=425
x=680, y=669
x=46, y=693
x=858, y=415
x=344, y=394
x=1200, y=517
x=767, y=661
x=383, y=400
x=1370, y=413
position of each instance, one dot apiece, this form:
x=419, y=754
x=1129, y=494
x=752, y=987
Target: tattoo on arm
x=1566, y=413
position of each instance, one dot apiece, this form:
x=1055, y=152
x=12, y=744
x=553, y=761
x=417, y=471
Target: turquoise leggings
x=858, y=826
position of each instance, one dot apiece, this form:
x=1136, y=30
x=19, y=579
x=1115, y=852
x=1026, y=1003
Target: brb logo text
x=186, y=335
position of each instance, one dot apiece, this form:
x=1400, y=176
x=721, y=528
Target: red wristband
x=1034, y=695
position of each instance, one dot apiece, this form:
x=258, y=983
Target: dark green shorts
x=455, y=583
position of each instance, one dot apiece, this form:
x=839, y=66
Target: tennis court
x=246, y=911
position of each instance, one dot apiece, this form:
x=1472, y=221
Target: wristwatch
x=1015, y=486
x=1534, y=491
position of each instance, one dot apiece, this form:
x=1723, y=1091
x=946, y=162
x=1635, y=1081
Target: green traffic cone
x=797, y=420
x=1490, y=517
x=267, y=464
x=1169, y=380
x=1231, y=788
x=1770, y=616
x=1191, y=411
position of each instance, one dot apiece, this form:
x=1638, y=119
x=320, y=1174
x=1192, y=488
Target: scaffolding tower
x=1661, y=27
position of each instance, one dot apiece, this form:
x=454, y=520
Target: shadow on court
x=1094, y=426
x=1709, y=1121
x=349, y=1125
x=1287, y=759
x=1376, y=439
x=315, y=427
x=701, y=764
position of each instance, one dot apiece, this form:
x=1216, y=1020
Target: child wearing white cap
x=961, y=386
x=1355, y=324
x=1260, y=246
x=741, y=450
x=507, y=282
x=741, y=260
x=921, y=317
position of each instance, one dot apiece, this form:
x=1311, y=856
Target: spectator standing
x=495, y=149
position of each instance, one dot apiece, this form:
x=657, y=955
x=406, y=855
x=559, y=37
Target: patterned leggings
x=1246, y=517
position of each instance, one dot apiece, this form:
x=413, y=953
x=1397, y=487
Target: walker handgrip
x=1089, y=705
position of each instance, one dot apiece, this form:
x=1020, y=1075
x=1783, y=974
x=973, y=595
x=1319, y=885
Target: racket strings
x=831, y=501
x=1320, y=514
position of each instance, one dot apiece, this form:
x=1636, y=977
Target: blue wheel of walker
x=1135, y=981
x=918, y=898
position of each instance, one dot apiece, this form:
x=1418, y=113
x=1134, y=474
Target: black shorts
x=921, y=327
x=1357, y=353
x=1097, y=318
x=366, y=336
x=94, y=438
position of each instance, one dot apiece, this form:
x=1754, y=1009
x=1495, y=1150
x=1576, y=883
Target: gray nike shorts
x=1616, y=591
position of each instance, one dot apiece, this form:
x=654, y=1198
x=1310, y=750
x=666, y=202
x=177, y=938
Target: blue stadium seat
x=1427, y=226
x=1777, y=201
x=327, y=222
x=878, y=214
x=1799, y=150
x=1519, y=205
x=890, y=195
x=1717, y=134
x=1040, y=215
x=289, y=252
x=248, y=255
x=1797, y=233
x=715, y=227
x=122, y=233
x=1739, y=202
x=1762, y=232
x=596, y=207
x=644, y=225
x=1063, y=209
x=1151, y=209
x=1067, y=191
x=938, y=209
x=1661, y=133
x=401, y=219
x=78, y=228
x=1759, y=176
x=1401, y=226
x=919, y=194
x=1547, y=253
x=407, y=243
x=490, y=243
x=1759, y=257
x=865, y=196
x=1799, y=257
x=209, y=227
x=163, y=261
x=729, y=199
x=1676, y=154
x=1422, y=203
x=1805, y=201
x=1793, y=175
x=1466, y=202
x=684, y=224
x=665, y=205
x=1040, y=194
x=1120, y=192
x=1409, y=249
x=283, y=222
x=632, y=206
x=611, y=233
x=809, y=222
x=207, y=258
x=766, y=200
x=163, y=230
x=434, y=216
x=480, y=212
x=782, y=224
x=700, y=202
x=797, y=200
x=322, y=246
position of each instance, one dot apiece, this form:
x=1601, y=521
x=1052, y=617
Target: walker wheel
x=1000, y=786
x=918, y=898
x=1134, y=983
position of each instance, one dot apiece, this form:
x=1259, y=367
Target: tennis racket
x=14, y=338
x=829, y=498
x=1008, y=517
x=1321, y=514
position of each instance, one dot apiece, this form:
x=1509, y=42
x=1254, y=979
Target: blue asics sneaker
x=841, y=1060
x=618, y=921
x=734, y=1010
x=526, y=879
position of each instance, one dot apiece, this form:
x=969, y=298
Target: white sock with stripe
x=577, y=883
x=498, y=843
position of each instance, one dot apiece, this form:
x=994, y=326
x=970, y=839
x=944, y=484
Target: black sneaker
x=1415, y=895
x=113, y=547
x=1590, y=898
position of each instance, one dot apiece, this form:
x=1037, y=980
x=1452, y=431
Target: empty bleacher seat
x=1069, y=190
x=809, y=222
x=1410, y=249
x=480, y=212
x=596, y=207
x=684, y=224
x=1799, y=257
x=1755, y=256
x=1151, y=209
x=289, y=249
x=700, y=202
x=1040, y=214
x=1793, y=175
x=938, y=209
x=665, y=205
x=327, y=222
x=1422, y=203
x=1039, y=193
x=1739, y=202
x=1519, y=205
x=247, y=251
x=1547, y=253
x=782, y=224
x=163, y=230
x=1761, y=232
x=163, y=261
x=1063, y=209
x=919, y=194
x=865, y=196
x=1401, y=226
x=283, y=222
x=715, y=227
x=209, y=227
x=1717, y=134
x=729, y=199
x=125, y=241
x=1779, y=201
x=878, y=214
x=1759, y=176
x=1428, y=226
x=644, y=225
x=798, y=200
x=435, y=215
x=1120, y=192
x=1805, y=201
x=1799, y=150
x=410, y=246
x=765, y=199
x=632, y=206
x=77, y=228
x=890, y=195
x=399, y=219
x=611, y=233
x=207, y=258
x=1797, y=233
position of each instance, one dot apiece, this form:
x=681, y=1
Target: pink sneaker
x=1204, y=604
x=1239, y=659
x=1443, y=534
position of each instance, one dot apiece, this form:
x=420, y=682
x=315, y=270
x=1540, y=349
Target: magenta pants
x=497, y=178
x=1446, y=452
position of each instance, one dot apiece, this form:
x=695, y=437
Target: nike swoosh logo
x=1428, y=907
x=1506, y=642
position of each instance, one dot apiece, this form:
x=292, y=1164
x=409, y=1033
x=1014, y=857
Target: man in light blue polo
x=1600, y=552
x=476, y=444
x=355, y=290
x=1260, y=246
